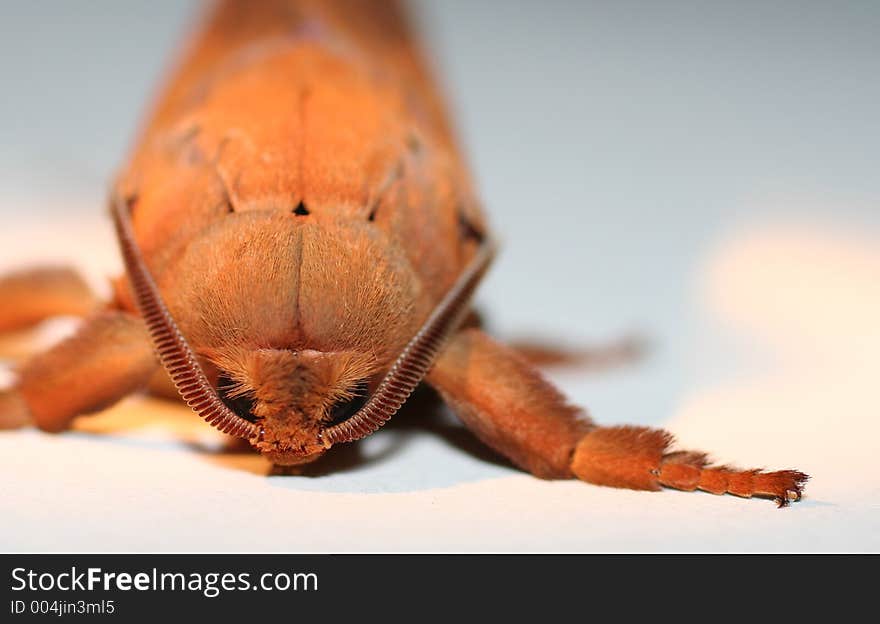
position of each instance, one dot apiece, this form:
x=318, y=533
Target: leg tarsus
x=783, y=486
x=637, y=458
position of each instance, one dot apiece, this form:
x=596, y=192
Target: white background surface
x=705, y=175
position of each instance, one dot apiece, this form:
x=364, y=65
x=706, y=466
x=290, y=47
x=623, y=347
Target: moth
x=301, y=242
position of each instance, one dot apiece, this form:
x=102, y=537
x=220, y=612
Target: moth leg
x=510, y=407
x=108, y=358
x=508, y=404
x=32, y=295
x=624, y=351
x=640, y=458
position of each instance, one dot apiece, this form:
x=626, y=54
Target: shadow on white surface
x=790, y=308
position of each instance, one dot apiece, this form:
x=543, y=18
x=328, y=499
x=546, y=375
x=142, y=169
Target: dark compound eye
x=343, y=410
x=242, y=405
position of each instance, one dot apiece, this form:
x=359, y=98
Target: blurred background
x=702, y=173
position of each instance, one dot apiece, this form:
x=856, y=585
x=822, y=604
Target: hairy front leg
x=32, y=295
x=108, y=358
x=507, y=403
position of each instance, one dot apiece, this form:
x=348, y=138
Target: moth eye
x=343, y=410
x=243, y=405
x=468, y=230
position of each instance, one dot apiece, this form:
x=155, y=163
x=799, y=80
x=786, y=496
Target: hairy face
x=299, y=319
x=294, y=395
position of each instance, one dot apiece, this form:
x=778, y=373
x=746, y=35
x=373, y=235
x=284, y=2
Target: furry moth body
x=301, y=241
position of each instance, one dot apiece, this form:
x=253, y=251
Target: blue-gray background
x=615, y=144
x=633, y=130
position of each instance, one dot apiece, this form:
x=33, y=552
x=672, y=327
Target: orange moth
x=301, y=242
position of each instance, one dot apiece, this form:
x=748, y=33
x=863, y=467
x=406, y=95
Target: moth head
x=294, y=404
x=293, y=396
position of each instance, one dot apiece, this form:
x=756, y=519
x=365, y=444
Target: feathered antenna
x=171, y=347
